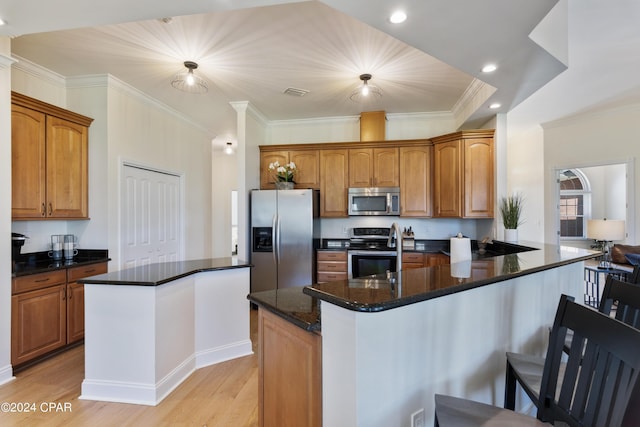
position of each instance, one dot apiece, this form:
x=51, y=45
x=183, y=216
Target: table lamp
x=605, y=231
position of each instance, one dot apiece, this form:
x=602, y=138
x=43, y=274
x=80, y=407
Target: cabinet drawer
x=332, y=255
x=332, y=266
x=76, y=273
x=412, y=257
x=38, y=281
x=330, y=277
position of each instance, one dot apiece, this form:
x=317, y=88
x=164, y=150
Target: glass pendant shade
x=365, y=92
x=188, y=81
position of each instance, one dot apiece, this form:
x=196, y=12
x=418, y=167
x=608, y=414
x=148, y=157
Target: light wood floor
x=222, y=395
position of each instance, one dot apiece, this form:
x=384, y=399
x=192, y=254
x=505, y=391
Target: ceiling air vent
x=295, y=91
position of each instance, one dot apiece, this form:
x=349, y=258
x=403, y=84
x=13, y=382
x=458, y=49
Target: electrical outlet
x=417, y=418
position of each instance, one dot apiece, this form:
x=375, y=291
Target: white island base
x=141, y=342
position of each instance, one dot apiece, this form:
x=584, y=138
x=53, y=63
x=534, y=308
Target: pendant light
x=365, y=91
x=187, y=81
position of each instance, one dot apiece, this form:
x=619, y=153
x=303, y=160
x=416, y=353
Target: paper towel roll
x=460, y=249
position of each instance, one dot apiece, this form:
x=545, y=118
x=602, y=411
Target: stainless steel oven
x=367, y=262
x=369, y=253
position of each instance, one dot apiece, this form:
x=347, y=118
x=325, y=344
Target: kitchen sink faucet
x=395, y=241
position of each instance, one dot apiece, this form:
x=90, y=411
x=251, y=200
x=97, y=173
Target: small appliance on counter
x=17, y=242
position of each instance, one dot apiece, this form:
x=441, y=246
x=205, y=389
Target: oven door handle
x=374, y=253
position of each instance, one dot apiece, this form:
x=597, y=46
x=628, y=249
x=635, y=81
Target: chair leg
x=510, y=388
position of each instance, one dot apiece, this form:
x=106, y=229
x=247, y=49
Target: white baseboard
x=6, y=374
x=137, y=393
x=223, y=353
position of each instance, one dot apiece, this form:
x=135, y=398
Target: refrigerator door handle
x=274, y=238
x=277, y=242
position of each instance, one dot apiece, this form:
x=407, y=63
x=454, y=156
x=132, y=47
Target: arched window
x=575, y=203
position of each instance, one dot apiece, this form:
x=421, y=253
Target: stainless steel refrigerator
x=285, y=232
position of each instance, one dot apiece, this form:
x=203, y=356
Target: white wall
x=6, y=372
x=147, y=133
x=128, y=126
x=342, y=129
x=224, y=181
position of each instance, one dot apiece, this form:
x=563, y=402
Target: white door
x=151, y=220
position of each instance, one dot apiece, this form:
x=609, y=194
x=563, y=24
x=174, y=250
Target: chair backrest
x=624, y=298
x=635, y=276
x=601, y=374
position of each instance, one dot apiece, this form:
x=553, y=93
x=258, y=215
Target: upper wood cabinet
x=334, y=182
x=373, y=126
x=415, y=181
x=307, y=162
x=464, y=175
x=373, y=167
x=446, y=176
x=49, y=164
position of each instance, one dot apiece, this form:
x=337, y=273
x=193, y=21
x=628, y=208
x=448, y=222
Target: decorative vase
x=510, y=234
x=284, y=185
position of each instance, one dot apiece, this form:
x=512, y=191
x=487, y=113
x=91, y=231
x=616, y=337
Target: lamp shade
x=605, y=229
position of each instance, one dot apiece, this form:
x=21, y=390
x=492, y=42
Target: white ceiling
x=252, y=50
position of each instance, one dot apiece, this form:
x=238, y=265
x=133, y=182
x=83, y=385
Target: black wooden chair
x=620, y=297
x=599, y=383
x=635, y=275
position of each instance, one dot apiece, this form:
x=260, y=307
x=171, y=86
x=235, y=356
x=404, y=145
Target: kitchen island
x=390, y=342
x=148, y=328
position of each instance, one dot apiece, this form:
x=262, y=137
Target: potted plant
x=511, y=211
x=283, y=175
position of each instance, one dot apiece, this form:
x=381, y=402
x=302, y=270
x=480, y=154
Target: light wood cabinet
x=331, y=265
x=415, y=181
x=75, y=298
x=463, y=175
x=49, y=165
x=373, y=167
x=373, y=126
x=38, y=323
x=412, y=260
x=433, y=259
x=478, y=178
x=47, y=311
x=290, y=373
x=334, y=182
x=447, y=180
x=421, y=260
x=306, y=161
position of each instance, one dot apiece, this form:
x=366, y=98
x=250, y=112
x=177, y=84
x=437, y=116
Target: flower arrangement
x=283, y=173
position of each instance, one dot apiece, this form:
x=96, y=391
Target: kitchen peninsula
x=388, y=343
x=148, y=328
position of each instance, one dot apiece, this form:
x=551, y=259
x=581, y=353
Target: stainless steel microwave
x=374, y=201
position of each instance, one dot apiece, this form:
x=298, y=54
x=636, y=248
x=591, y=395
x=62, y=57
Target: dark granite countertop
x=163, y=272
x=292, y=305
x=40, y=262
x=384, y=292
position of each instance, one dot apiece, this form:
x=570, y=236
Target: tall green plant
x=511, y=210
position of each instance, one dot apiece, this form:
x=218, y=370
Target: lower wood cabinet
x=421, y=260
x=290, y=373
x=38, y=323
x=331, y=265
x=47, y=311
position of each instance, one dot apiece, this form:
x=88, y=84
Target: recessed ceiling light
x=2, y=22
x=489, y=68
x=495, y=105
x=398, y=17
